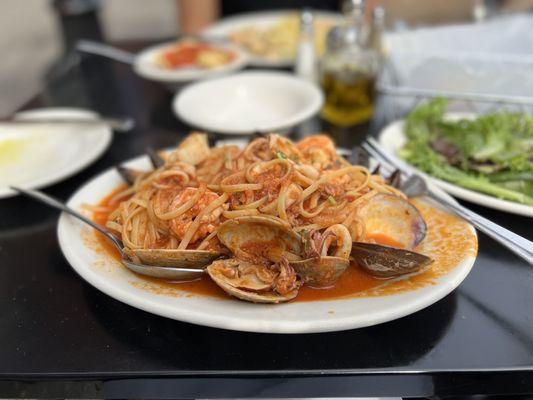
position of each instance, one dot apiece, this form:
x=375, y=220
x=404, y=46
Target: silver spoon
x=104, y=50
x=170, y=273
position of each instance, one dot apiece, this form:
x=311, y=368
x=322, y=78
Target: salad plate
x=393, y=138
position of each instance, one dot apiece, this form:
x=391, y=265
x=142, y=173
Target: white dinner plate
x=248, y=102
x=393, y=138
x=262, y=19
x=37, y=155
x=108, y=275
x=146, y=66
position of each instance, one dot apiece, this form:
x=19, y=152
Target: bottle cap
x=306, y=20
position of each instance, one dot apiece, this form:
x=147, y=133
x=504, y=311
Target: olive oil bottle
x=349, y=96
x=349, y=69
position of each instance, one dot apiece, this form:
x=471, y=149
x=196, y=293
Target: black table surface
x=60, y=337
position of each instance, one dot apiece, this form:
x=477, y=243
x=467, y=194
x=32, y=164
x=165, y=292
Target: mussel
x=388, y=262
x=130, y=174
x=395, y=218
x=260, y=271
x=322, y=269
x=156, y=160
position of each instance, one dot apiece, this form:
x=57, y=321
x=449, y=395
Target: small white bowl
x=146, y=66
x=247, y=102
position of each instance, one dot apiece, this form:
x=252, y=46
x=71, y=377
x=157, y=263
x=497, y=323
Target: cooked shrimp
x=209, y=222
x=318, y=150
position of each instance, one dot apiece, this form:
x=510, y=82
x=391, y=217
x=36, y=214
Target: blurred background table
x=60, y=337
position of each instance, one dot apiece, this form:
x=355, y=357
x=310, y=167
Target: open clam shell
x=395, y=218
x=246, y=281
x=388, y=262
x=260, y=239
x=331, y=260
x=174, y=258
x=321, y=273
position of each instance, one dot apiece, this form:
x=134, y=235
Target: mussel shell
x=233, y=289
x=267, y=238
x=394, y=217
x=175, y=258
x=156, y=160
x=321, y=273
x=128, y=174
x=388, y=262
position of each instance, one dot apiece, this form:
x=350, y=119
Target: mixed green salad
x=492, y=153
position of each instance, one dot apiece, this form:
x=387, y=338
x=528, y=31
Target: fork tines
x=373, y=149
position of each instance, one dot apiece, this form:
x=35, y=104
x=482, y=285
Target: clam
x=388, y=262
x=395, y=218
x=260, y=270
x=323, y=270
x=249, y=282
x=174, y=257
x=260, y=239
x=321, y=273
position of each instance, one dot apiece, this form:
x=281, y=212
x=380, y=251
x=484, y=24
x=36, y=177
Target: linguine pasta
x=306, y=185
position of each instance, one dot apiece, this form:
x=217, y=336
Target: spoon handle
x=516, y=243
x=104, y=50
x=54, y=203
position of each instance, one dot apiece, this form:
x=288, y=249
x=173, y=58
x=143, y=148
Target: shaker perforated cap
x=347, y=34
x=350, y=6
x=306, y=20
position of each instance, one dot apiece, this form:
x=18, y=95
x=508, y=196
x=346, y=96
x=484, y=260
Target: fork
x=416, y=186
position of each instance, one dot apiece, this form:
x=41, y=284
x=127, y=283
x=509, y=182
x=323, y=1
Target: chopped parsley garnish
x=281, y=155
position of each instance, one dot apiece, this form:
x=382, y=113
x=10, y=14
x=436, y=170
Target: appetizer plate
x=248, y=102
x=262, y=20
x=108, y=275
x=393, y=138
x=146, y=66
x=37, y=155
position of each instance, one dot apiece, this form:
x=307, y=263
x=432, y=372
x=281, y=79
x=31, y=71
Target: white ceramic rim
x=229, y=24
x=182, y=97
x=286, y=315
x=92, y=154
x=145, y=66
x=392, y=138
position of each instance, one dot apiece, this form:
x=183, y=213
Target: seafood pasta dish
x=267, y=219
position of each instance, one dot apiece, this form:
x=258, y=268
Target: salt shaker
x=306, y=67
